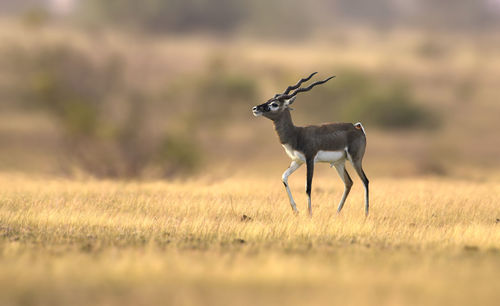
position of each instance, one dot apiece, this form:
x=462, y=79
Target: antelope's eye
x=274, y=105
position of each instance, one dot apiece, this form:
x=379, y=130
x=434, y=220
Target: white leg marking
x=293, y=166
x=367, y=201
x=309, y=205
x=341, y=170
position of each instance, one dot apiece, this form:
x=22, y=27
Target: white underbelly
x=329, y=156
x=321, y=156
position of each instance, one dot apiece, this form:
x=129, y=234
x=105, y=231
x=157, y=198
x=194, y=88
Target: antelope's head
x=274, y=107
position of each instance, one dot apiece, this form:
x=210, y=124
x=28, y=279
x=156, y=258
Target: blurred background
x=164, y=88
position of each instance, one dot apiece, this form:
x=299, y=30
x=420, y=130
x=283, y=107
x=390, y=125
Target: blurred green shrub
x=356, y=96
x=35, y=17
x=215, y=95
x=277, y=18
x=228, y=87
x=167, y=15
x=391, y=108
x=179, y=151
x=431, y=49
x=68, y=84
x=103, y=118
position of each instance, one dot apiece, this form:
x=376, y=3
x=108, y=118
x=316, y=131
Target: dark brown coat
x=327, y=137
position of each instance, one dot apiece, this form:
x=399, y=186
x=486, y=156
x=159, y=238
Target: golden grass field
x=427, y=241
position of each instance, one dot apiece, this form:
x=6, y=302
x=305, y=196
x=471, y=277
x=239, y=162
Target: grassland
x=427, y=241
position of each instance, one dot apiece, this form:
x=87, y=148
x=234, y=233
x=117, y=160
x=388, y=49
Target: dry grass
x=427, y=241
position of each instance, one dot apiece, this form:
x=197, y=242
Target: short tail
x=359, y=126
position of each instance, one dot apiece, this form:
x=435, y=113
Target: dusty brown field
x=428, y=241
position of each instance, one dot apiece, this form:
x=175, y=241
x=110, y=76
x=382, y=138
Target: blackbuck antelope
x=328, y=143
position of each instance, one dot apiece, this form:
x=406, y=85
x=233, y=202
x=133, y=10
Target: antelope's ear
x=290, y=101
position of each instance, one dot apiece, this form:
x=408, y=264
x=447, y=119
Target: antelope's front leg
x=293, y=166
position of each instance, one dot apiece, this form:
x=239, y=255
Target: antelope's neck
x=285, y=129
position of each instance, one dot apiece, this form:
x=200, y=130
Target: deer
x=332, y=143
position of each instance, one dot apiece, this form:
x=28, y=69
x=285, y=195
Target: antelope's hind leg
x=293, y=166
x=347, y=183
x=357, y=164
